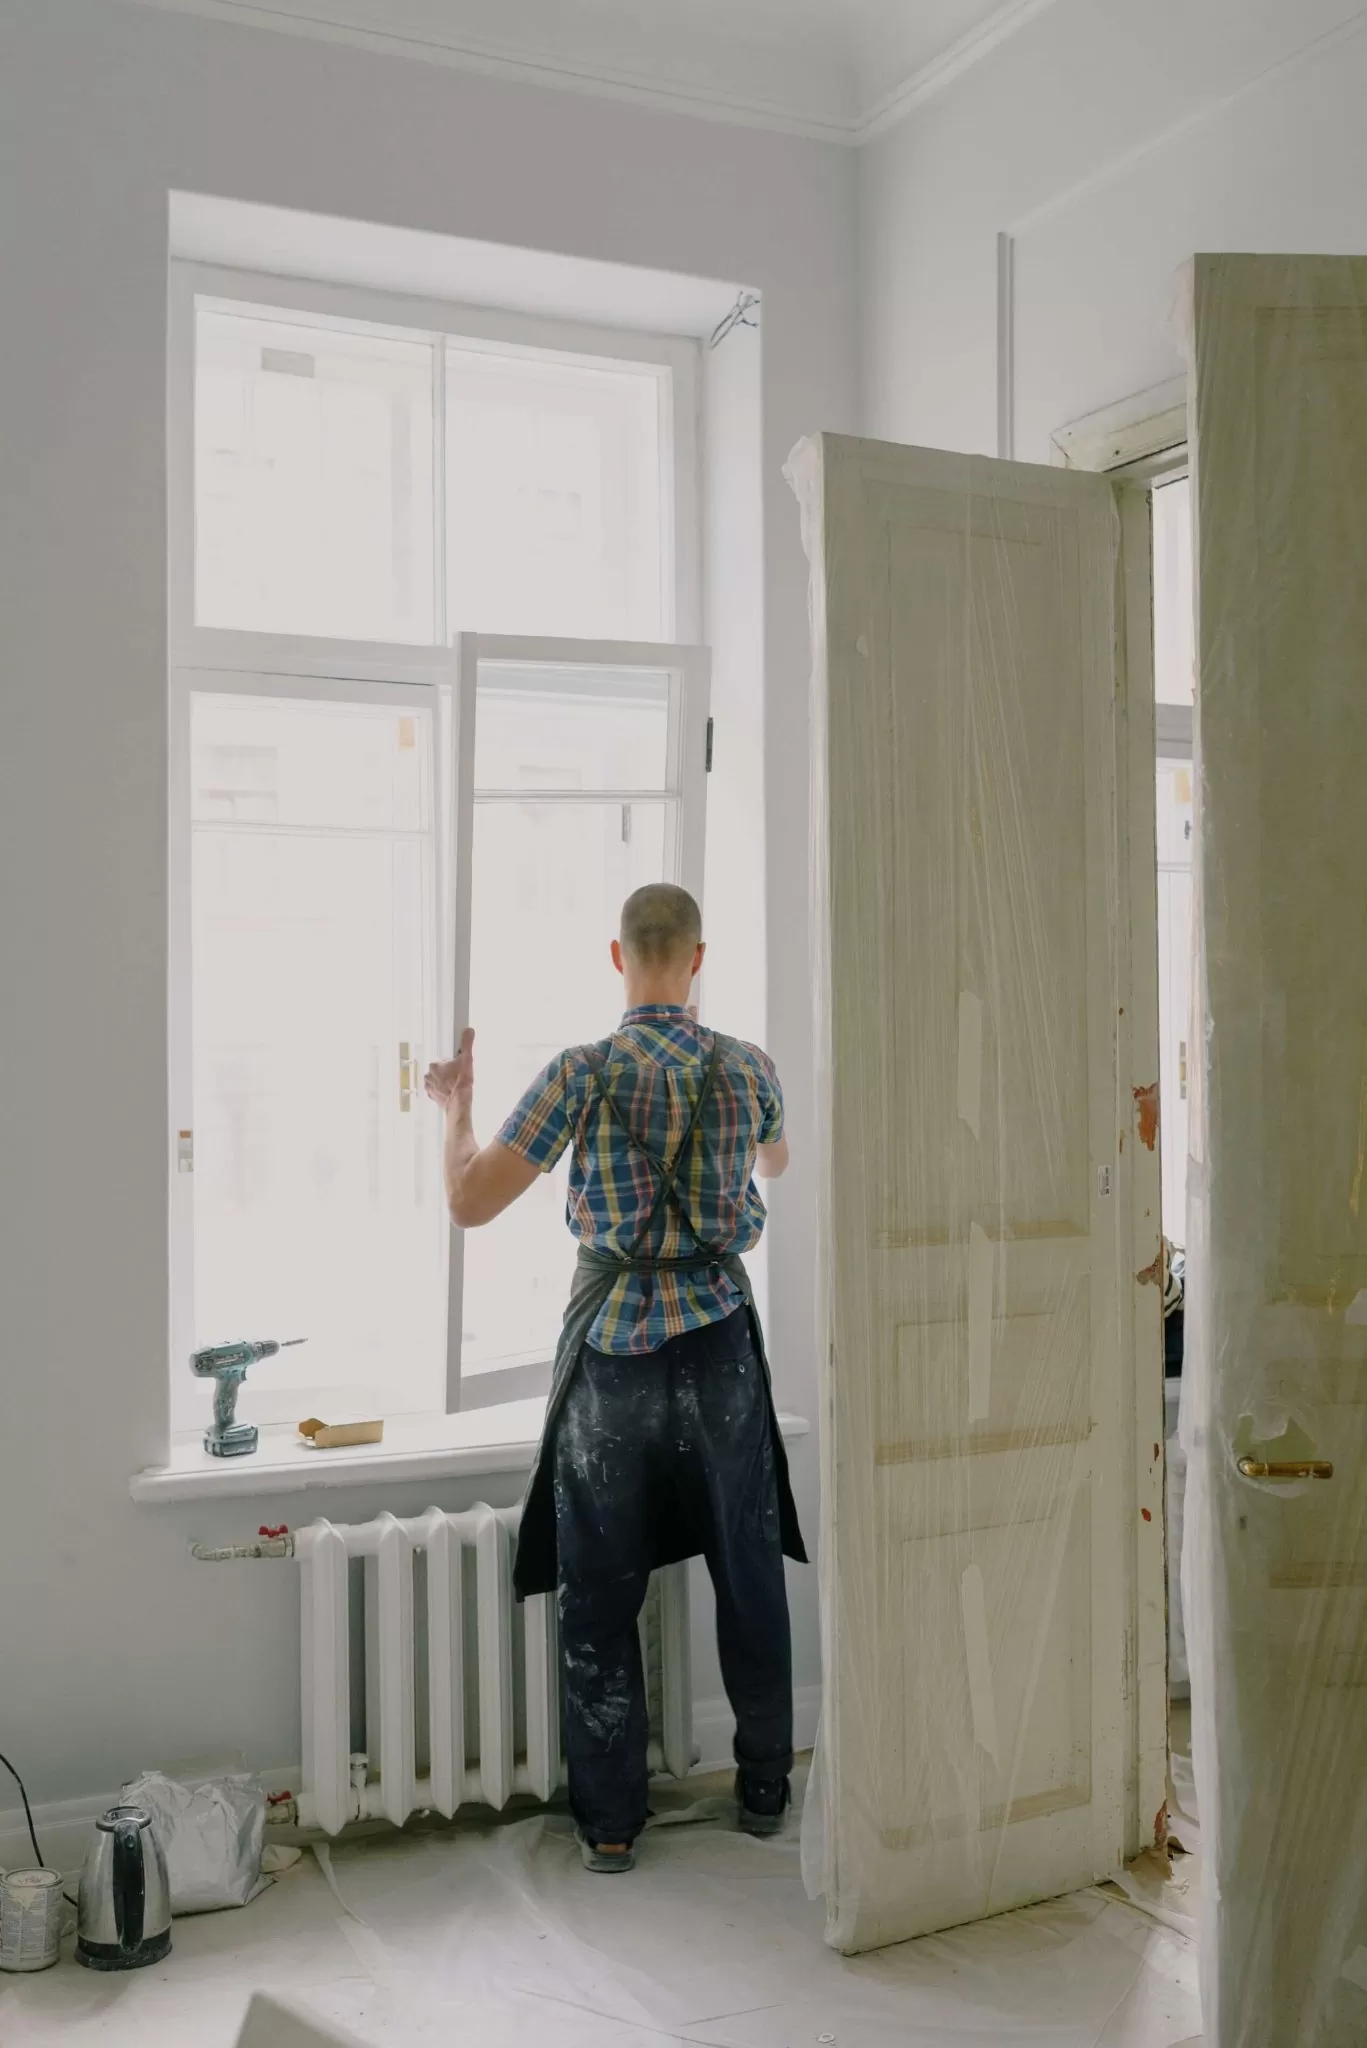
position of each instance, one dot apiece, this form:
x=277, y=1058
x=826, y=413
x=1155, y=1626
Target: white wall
x=1113, y=142
x=115, y=1649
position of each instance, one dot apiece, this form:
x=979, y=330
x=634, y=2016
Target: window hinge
x=709, y=746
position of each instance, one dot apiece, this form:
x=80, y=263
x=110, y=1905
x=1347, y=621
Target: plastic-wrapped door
x=988, y=1514
x=1274, y=1405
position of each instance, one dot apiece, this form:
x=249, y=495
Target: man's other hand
x=451, y=1083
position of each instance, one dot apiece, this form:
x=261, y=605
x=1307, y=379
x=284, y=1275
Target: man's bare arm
x=771, y=1161
x=481, y=1181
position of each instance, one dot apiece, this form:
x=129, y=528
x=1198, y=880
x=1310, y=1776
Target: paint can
x=30, y=1919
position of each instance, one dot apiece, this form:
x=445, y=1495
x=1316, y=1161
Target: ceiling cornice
x=470, y=54
x=952, y=63
x=502, y=61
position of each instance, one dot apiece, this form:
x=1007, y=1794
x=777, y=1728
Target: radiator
x=340, y=1785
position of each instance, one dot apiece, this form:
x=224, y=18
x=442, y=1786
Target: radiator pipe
x=266, y=1546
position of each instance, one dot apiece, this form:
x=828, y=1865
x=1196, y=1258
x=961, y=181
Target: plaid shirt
x=654, y=1066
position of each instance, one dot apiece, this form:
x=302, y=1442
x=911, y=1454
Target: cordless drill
x=227, y=1364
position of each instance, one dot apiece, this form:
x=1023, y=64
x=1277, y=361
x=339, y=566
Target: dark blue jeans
x=647, y=1448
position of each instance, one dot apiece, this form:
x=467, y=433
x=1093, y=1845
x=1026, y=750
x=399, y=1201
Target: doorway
x=1164, y=481
x=1141, y=446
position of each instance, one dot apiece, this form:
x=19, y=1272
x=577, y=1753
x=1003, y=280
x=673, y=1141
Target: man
x=660, y=1440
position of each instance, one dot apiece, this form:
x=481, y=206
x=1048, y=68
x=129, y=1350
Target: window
x=429, y=726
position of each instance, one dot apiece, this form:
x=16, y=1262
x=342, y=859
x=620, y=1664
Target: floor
x=495, y=1937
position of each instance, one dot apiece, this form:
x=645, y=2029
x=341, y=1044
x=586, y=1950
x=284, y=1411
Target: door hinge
x=1127, y=1672
x=408, y=1079
x=185, y=1151
x=709, y=746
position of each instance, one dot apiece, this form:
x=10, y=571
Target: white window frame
x=684, y=787
x=432, y=320
x=422, y=688
x=441, y=675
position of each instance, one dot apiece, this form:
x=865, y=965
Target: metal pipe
x=266, y=1546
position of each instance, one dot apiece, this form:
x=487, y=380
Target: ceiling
x=838, y=69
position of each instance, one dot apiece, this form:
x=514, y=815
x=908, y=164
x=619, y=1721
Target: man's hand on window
x=451, y=1083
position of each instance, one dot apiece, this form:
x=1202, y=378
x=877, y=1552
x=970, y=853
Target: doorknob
x=1298, y=1468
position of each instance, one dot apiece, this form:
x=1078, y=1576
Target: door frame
x=1140, y=441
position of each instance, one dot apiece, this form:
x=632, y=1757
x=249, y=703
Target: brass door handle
x=1300, y=1468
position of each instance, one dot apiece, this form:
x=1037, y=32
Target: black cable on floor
x=28, y=1815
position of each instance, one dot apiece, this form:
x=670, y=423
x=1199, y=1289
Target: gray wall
x=116, y=1650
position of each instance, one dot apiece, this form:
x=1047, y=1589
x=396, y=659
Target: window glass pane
x=571, y=728
x=549, y=881
x=554, y=497
x=1174, y=985
x=1174, y=629
x=316, y=1187
x=294, y=762
x=313, y=479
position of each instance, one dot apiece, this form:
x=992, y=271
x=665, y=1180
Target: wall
x=1112, y=142
x=115, y=1648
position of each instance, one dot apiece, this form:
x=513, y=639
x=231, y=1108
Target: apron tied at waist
x=597, y=1272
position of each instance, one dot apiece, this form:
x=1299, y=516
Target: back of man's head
x=661, y=926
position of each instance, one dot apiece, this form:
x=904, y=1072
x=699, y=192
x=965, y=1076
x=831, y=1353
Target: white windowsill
x=475, y=1444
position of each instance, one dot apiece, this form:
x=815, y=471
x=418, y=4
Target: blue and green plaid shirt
x=654, y=1066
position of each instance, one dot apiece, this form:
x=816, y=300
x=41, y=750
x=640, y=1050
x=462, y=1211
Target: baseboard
x=714, y=1727
x=64, y=1825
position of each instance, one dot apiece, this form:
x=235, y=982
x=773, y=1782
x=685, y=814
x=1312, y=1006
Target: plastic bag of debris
x=211, y=1830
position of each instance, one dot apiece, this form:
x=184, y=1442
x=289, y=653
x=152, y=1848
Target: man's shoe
x=606, y=1859
x=763, y=1804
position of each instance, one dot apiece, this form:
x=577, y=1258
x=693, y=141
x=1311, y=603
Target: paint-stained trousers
x=640, y=1444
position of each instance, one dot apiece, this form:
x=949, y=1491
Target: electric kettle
x=123, y=1917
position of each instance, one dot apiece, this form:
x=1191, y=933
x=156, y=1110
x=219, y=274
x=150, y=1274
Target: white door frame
x=1138, y=442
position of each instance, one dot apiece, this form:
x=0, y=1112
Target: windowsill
x=474, y=1444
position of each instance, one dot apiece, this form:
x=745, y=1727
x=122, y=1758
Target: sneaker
x=762, y=1804
x=606, y=1860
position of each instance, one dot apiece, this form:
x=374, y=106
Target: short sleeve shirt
x=655, y=1065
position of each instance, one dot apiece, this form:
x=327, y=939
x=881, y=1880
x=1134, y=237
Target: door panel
x=978, y=1442
x=1275, y=1571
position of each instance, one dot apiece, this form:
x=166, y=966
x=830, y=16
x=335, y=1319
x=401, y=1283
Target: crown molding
x=502, y=61
x=941, y=71
x=470, y=54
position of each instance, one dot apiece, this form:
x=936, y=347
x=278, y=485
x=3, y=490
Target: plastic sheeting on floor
x=497, y=1938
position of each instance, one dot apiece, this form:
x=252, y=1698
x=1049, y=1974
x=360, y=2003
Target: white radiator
x=340, y=1786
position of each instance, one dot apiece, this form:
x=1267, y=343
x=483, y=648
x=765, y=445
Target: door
x=992, y=1528
x=1275, y=1563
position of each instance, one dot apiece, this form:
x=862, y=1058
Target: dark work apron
x=596, y=1273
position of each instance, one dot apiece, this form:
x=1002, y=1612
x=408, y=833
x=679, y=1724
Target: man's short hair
x=660, y=923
